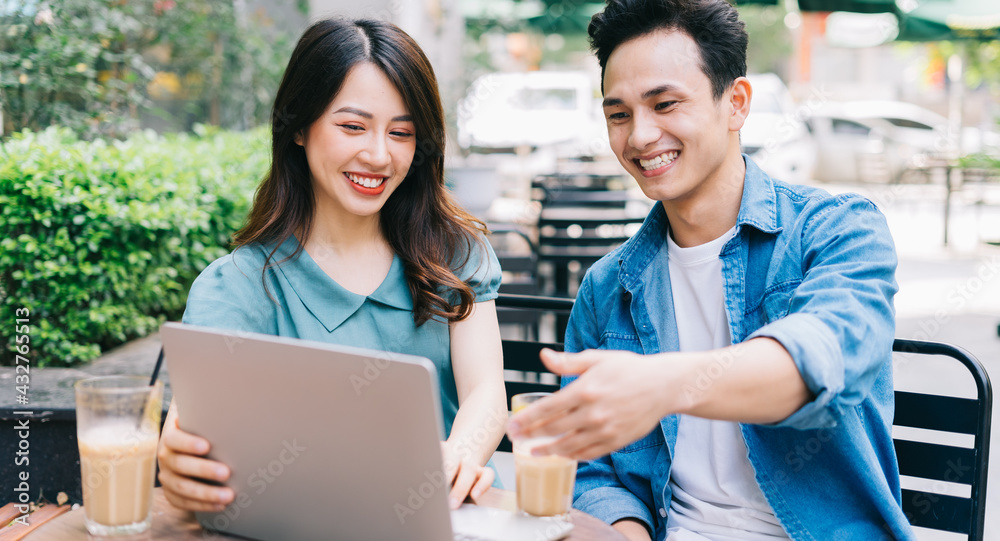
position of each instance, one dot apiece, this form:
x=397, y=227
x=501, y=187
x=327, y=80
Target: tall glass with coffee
x=118, y=425
x=544, y=484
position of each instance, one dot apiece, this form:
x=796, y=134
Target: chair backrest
x=571, y=239
x=937, y=462
x=518, y=256
x=552, y=197
x=523, y=369
x=580, y=182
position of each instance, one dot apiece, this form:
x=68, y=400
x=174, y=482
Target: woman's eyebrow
x=352, y=110
x=369, y=116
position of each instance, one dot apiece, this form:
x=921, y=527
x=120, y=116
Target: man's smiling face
x=664, y=125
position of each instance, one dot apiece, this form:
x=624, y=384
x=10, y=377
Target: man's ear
x=739, y=102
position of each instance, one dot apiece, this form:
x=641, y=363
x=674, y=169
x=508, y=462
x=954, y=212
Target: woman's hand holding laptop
x=183, y=469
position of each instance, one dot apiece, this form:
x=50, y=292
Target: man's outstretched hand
x=618, y=398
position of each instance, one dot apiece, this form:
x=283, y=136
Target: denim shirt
x=814, y=272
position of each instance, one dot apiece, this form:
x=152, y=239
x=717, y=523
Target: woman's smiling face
x=360, y=149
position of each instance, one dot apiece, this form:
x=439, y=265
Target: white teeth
x=366, y=181
x=659, y=161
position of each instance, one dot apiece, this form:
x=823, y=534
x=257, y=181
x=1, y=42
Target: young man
x=735, y=374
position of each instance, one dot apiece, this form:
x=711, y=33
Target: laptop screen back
x=324, y=441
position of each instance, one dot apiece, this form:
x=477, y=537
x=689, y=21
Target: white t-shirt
x=715, y=495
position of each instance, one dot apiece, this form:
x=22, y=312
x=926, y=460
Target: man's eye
x=664, y=105
x=618, y=116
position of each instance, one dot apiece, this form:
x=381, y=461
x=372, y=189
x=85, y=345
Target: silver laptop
x=325, y=441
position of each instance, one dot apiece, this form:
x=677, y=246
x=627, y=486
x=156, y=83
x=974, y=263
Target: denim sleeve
x=598, y=491
x=841, y=321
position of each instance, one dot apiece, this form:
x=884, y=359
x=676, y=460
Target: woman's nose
x=377, y=154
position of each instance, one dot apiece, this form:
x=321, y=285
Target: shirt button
x=663, y=512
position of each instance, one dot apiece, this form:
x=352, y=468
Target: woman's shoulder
x=232, y=270
x=477, y=264
x=231, y=292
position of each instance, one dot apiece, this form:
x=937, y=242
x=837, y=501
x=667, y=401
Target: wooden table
x=170, y=523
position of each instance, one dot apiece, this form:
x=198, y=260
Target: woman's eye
x=401, y=134
x=352, y=127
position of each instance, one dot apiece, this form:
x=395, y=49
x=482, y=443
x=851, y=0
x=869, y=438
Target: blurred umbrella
x=936, y=20
x=858, y=6
x=757, y=2
x=563, y=16
x=952, y=20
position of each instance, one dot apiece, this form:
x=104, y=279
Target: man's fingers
x=535, y=420
x=559, y=426
x=568, y=363
x=594, y=451
x=529, y=421
x=568, y=445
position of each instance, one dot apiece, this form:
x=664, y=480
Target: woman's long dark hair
x=430, y=233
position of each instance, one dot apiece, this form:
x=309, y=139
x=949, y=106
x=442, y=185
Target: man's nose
x=644, y=133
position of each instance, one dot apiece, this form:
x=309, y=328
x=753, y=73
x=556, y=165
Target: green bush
x=100, y=241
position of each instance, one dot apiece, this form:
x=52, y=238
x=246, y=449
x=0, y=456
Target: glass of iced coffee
x=117, y=427
x=544, y=484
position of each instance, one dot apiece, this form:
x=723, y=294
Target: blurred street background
x=159, y=109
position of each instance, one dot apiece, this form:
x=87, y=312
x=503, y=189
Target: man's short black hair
x=713, y=24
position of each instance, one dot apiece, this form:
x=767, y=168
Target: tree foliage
x=97, y=66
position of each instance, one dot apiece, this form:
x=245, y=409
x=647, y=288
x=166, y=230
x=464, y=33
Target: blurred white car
x=775, y=134
x=504, y=111
x=883, y=141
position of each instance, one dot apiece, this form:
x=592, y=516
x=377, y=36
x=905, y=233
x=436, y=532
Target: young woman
x=354, y=240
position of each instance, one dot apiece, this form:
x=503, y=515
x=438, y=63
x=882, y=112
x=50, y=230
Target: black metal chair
x=523, y=370
x=580, y=182
x=571, y=239
x=552, y=197
x=518, y=256
x=947, y=463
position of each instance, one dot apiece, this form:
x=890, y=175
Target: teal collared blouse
x=231, y=294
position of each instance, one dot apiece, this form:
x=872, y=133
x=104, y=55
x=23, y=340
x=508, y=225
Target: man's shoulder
x=605, y=269
x=801, y=199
